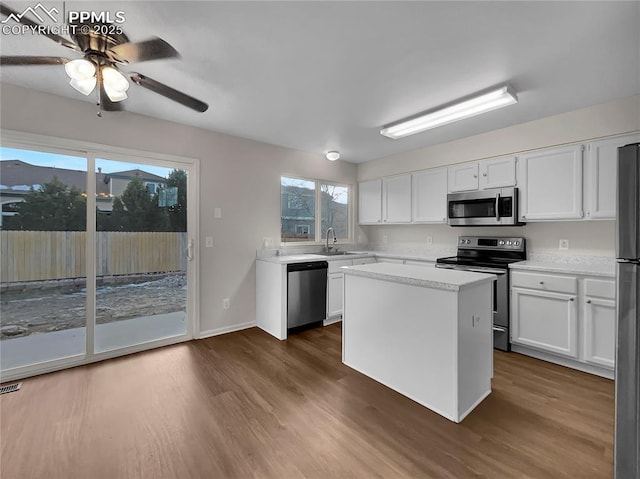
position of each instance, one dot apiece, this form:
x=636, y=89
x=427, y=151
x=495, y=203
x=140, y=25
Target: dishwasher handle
x=307, y=266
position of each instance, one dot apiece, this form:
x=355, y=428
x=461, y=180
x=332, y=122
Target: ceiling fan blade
x=168, y=92
x=7, y=61
x=153, y=49
x=7, y=12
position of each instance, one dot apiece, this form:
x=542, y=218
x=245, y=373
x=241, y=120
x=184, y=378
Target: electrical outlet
x=208, y=241
x=217, y=212
x=429, y=239
x=226, y=303
x=564, y=244
x=267, y=242
x=385, y=239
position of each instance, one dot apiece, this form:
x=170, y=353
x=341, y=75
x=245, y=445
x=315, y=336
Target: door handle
x=190, y=249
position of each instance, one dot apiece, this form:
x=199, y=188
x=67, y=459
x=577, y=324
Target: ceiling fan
x=104, y=49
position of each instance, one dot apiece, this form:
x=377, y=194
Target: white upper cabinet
x=498, y=172
x=396, y=199
x=429, y=204
x=463, y=177
x=600, y=176
x=370, y=202
x=550, y=184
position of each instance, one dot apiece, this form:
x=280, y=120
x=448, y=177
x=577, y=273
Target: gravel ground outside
x=39, y=311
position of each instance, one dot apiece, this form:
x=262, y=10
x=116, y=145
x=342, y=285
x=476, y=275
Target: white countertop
x=590, y=269
x=414, y=275
x=301, y=258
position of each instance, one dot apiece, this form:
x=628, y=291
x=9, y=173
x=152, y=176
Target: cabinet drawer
x=600, y=288
x=545, y=282
x=334, y=266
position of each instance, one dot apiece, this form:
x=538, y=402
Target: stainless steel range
x=490, y=254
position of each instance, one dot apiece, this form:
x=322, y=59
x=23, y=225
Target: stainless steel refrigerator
x=627, y=446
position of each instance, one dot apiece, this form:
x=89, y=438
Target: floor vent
x=9, y=388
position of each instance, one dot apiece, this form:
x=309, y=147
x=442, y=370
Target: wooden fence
x=47, y=255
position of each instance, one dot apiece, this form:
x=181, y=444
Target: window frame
x=319, y=240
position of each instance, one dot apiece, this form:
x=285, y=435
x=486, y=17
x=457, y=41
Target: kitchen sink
x=334, y=253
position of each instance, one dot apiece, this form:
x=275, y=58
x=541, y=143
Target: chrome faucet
x=335, y=240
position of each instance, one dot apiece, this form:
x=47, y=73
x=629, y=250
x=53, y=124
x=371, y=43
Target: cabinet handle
x=571, y=299
x=541, y=282
x=484, y=174
x=475, y=176
x=588, y=301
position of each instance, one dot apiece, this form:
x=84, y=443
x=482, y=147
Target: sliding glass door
x=141, y=254
x=43, y=235
x=96, y=256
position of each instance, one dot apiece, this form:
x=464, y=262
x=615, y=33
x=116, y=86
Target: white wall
x=593, y=237
x=240, y=176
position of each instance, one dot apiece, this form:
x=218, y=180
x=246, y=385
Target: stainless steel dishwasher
x=306, y=293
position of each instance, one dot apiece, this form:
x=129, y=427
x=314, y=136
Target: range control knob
x=461, y=241
x=468, y=241
x=501, y=242
x=517, y=243
x=508, y=243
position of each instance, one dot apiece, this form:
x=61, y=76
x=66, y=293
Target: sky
x=75, y=162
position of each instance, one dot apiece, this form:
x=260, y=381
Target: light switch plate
x=208, y=241
x=429, y=239
x=563, y=244
x=226, y=303
x=217, y=213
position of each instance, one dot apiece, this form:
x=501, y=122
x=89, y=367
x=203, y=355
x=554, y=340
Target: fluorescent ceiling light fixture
x=483, y=103
x=332, y=155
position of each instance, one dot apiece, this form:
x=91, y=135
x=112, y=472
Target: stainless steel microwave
x=494, y=207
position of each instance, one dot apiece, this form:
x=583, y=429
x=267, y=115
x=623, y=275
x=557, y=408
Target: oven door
x=501, y=339
x=483, y=208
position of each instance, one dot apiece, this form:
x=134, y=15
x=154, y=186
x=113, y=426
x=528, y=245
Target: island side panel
x=475, y=346
x=271, y=300
x=404, y=337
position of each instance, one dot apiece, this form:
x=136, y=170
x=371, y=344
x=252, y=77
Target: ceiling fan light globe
x=80, y=69
x=114, y=80
x=84, y=86
x=115, y=95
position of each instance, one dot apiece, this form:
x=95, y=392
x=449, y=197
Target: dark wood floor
x=246, y=405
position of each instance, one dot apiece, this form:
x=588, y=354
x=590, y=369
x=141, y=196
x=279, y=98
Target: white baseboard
x=329, y=321
x=566, y=362
x=225, y=330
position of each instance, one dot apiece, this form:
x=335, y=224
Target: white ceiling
x=317, y=76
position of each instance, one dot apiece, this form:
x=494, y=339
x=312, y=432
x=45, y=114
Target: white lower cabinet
x=335, y=285
x=600, y=322
x=334, y=294
x=571, y=317
x=600, y=331
x=545, y=320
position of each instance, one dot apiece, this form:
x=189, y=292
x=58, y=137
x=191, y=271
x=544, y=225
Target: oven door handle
x=497, y=206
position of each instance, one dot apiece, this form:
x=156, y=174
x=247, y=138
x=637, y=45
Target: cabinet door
x=396, y=199
x=544, y=320
x=600, y=331
x=370, y=202
x=334, y=294
x=498, y=172
x=429, y=203
x=463, y=177
x=600, y=178
x=550, y=184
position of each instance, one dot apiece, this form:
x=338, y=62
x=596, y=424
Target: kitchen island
x=424, y=332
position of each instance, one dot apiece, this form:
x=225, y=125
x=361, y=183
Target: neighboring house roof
x=18, y=177
x=144, y=175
